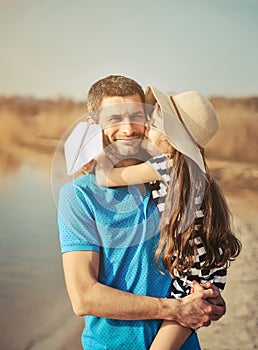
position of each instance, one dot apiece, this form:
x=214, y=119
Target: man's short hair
x=113, y=85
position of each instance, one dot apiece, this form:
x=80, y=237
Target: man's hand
x=216, y=300
x=196, y=310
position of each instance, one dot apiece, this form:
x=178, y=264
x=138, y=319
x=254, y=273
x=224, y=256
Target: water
x=34, y=305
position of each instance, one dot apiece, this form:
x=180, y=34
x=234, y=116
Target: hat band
x=177, y=111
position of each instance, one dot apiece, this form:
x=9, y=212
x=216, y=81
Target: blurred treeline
x=30, y=123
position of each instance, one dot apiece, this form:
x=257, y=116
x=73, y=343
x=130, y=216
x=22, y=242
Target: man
x=108, y=238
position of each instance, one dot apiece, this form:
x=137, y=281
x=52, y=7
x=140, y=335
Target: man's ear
x=147, y=125
x=156, y=119
x=146, y=129
x=89, y=119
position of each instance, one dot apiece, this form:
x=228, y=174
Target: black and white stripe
x=181, y=286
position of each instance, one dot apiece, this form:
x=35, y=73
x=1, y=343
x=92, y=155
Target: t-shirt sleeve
x=163, y=166
x=77, y=229
x=180, y=287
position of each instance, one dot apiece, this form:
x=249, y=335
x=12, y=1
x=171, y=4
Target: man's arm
x=89, y=297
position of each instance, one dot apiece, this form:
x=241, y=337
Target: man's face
x=123, y=122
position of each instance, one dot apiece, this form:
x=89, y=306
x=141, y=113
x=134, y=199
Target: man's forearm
x=90, y=297
x=104, y=301
x=193, y=311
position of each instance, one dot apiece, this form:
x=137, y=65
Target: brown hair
x=176, y=246
x=113, y=85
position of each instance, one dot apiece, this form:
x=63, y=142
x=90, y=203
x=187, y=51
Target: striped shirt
x=181, y=285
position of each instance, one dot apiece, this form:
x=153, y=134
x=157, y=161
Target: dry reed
x=27, y=122
x=237, y=136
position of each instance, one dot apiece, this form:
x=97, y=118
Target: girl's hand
x=87, y=168
x=102, y=169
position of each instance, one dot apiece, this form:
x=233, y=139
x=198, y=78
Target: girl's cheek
x=153, y=137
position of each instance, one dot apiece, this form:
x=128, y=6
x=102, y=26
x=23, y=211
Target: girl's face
x=155, y=133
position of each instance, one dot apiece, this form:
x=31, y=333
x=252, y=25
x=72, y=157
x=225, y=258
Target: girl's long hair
x=191, y=190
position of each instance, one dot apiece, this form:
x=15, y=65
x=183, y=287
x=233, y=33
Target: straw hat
x=189, y=121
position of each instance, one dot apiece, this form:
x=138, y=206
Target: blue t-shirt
x=121, y=224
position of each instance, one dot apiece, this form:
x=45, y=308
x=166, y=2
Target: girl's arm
x=171, y=336
x=109, y=176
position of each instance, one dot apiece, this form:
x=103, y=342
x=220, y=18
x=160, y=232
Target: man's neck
x=127, y=162
x=139, y=158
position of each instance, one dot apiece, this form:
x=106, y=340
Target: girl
x=196, y=238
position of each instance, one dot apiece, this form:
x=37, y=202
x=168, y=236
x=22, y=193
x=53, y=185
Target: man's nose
x=127, y=127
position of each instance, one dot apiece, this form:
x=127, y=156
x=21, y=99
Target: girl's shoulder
x=159, y=158
x=161, y=162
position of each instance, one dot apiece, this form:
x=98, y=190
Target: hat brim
x=174, y=129
x=82, y=145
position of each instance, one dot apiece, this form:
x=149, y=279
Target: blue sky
x=59, y=47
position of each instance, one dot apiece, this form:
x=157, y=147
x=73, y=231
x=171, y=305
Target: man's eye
x=138, y=118
x=114, y=119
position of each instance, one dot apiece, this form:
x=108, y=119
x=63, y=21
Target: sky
x=53, y=48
